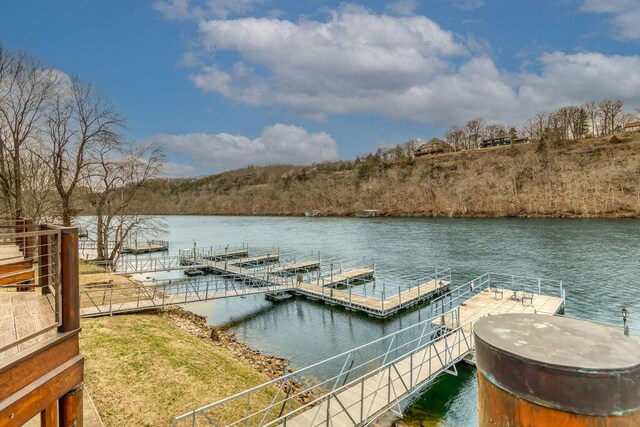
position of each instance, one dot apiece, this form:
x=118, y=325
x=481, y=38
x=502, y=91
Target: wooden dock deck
x=374, y=306
x=346, y=278
x=254, y=260
x=293, y=268
x=490, y=303
x=237, y=253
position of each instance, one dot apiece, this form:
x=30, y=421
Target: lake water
x=597, y=260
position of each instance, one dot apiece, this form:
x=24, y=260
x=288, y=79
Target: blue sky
x=224, y=83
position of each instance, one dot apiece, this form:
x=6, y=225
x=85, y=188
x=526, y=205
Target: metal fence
x=497, y=283
x=352, y=388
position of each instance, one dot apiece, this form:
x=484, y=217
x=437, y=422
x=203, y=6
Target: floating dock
x=237, y=253
x=303, y=266
x=255, y=260
x=360, y=385
x=493, y=301
x=149, y=247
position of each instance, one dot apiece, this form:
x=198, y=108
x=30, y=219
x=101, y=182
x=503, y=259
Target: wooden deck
x=300, y=266
x=487, y=303
x=345, y=278
x=238, y=253
x=258, y=259
x=23, y=314
x=375, y=304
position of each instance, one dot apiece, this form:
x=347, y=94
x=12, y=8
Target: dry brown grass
x=143, y=370
x=99, y=287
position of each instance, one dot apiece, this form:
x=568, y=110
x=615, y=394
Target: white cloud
x=580, y=77
x=203, y=9
x=403, y=7
x=625, y=15
x=357, y=62
x=468, y=5
x=177, y=170
x=277, y=144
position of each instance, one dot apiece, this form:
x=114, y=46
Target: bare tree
x=495, y=131
x=410, y=147
x=540, y=123
x=38, y=188
x=610, y=109
x=80, y=125
x=456, y=138
x=475, y=132
x=25, y=87
x=593, y=114
x=114, y=181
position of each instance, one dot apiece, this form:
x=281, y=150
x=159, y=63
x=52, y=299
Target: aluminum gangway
x=131, y=297
x=353, y=388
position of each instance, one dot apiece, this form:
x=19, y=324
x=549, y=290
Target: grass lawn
x=143, y=370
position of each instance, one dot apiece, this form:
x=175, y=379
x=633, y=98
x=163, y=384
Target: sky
x=221, y=84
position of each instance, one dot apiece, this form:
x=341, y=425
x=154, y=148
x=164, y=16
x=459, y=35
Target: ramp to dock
x=356, y=387
x=364, y=382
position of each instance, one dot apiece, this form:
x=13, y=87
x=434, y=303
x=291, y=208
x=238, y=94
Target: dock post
x=539, y=287
x=399, y=296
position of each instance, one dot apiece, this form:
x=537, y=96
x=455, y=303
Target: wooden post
x=49, y=417
x=43, y=261
x=29, y=242
x=71, y=408
x=70, y=280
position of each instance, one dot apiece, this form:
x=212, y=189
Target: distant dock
x=149, y=247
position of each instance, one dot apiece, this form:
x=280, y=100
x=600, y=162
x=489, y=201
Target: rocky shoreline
x=271, y=366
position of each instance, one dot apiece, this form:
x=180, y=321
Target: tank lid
x=560, y=341
x=563, y=363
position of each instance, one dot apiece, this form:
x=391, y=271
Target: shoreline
x=621, y=216
x=271, y=366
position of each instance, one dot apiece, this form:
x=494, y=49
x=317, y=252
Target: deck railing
x=373, y=372
x=497, y=282
x=32, y=277
x=118, y=298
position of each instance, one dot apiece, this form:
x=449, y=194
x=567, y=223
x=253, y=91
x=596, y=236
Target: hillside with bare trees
x=597, y=177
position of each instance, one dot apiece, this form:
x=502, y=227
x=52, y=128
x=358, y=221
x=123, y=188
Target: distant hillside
x=589, y=178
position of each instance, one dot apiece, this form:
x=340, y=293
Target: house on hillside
x=434, y=146
x=632, y=127
x=503, y=140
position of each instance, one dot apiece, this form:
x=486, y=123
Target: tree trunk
x=66, y=210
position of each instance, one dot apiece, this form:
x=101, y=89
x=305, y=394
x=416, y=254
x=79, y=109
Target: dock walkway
x=366, y=388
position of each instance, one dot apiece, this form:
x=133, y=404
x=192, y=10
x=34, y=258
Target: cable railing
x=352, y=388
x=30, y=284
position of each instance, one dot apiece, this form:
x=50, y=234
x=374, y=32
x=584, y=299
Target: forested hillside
x=597, y=177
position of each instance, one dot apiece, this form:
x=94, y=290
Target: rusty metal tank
x=540, y=370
